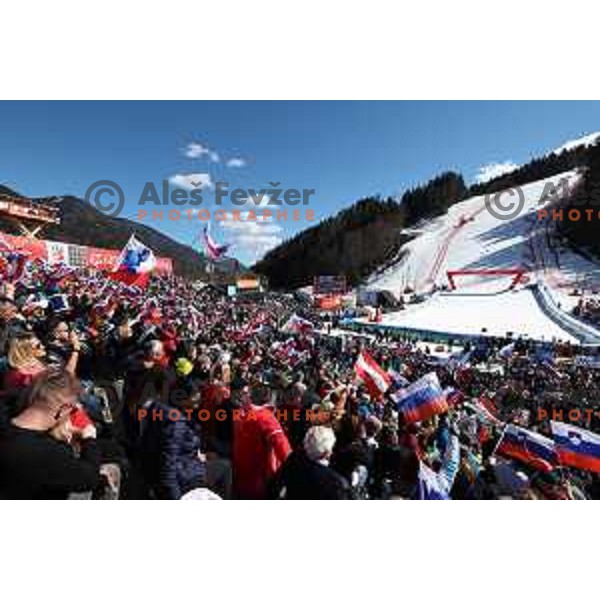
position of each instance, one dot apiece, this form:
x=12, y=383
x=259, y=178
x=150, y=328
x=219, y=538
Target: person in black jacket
x=37, y=459
x=306, y=474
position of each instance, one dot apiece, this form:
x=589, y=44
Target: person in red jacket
x=260, y=447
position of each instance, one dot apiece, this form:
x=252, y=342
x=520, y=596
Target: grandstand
x=29, y=216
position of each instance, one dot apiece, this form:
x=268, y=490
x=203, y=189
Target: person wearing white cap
x=306, y=475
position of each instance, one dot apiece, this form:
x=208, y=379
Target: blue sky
x=344, y=150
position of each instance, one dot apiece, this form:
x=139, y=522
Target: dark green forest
x=585, y=232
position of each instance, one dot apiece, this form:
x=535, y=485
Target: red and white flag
x=252, y=328
x=296, y=324
x=375, y=378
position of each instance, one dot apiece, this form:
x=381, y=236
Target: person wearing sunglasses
x=24, y=361
x=37, y=447
x=63, y=345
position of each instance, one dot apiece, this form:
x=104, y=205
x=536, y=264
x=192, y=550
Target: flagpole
x=499, y=440
x=209, y=269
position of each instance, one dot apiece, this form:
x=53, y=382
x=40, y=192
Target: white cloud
x=259, y=216
x=258, y=200
x=255, y=228
x=192, y=181
x=236, y=162
x=251, y=238
x=195, y=150
x=254, y=200
x=492, y=170
x=256, y=248
x=198, y=150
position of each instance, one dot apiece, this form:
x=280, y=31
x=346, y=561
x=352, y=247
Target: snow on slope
x=497, y=315
x=586, y=140
x=493, y=170
x=469, y=236
x=496, y=169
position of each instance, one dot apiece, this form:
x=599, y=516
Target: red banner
x=71, y=254
x=101, y=258
x=34, y=249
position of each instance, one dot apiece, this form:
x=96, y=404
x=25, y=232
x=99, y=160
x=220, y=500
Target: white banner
x=58, y=253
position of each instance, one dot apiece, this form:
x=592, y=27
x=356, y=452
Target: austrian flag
x=375, y=378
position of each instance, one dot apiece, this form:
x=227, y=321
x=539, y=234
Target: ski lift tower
x=29, y=216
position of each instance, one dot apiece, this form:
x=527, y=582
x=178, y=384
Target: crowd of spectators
x=177, y=391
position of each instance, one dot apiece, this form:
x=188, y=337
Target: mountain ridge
x=85, y=225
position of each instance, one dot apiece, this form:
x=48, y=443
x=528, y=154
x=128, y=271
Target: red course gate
x=518, y=275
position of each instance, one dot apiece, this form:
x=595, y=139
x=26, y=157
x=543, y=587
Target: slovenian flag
x=529, y=447
x=375, y=378
x=213, y=250
x=135, y=264
x=421, y=400
x=576, y=447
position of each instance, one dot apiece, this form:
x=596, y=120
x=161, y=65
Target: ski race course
x=469, y=237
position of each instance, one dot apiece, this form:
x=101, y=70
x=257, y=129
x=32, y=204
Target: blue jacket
x=169, y=454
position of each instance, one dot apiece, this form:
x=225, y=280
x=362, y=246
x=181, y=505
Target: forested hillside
x=362, y=237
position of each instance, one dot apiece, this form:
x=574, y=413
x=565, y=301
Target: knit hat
x=183, y=366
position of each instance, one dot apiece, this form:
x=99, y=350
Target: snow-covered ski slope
x=469, y=236
x=515, y=313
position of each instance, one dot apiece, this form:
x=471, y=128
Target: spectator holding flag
x=413, y=479
x=395, y=408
